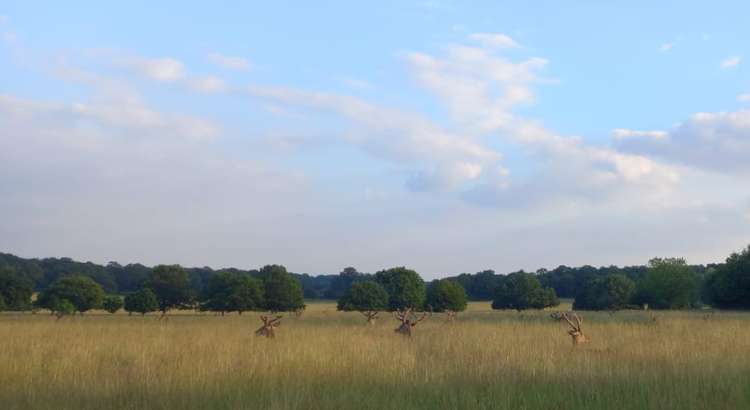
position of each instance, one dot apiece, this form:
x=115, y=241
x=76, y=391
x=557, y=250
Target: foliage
x=15, y=291
x=605, y=293
x=669, y=284
x=522, y=291
x=171, y=285
x=82, y=292
x=445, y=295
x=232, y=292
x=62, y=307
x=728, y=287
x=282, y=291
x=112, y=303
x=364, y=296
x=143, y=301
x=341, y=283
x=404, y=286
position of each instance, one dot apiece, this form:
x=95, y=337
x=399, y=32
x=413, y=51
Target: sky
x=440, y=135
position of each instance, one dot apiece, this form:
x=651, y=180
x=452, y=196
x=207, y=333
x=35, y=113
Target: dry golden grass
x=332, y=360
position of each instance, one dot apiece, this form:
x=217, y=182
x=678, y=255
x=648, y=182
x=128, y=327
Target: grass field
x=331, y=360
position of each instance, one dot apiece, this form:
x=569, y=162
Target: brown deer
x=408, y=320
x=371, y=316
x=269, y=326
x=575, y=332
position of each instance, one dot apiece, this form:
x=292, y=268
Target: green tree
x=82, y=292
x=404, y=286
x=142, y=301
x=605, y=293
x=669, y=284
x=171, y=285
x=282, y=292
x=728, y=286
x=232, y=292
x=446, y=296
x=522, y=291
x=15, y=291
x=112, y=303
x=366, y=297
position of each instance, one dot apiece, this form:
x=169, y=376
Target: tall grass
x=332, y=360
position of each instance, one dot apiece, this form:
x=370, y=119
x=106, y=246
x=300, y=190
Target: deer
x=371, y=315
x=575, y=332
x=269, y=324
x=408, y=320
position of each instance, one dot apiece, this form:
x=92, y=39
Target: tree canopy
x=669, y=284
x=728, y=286
x=82, y=292
x=232, y=292
x=446, y=295
x=282, y=292
x=522, y=291
x=143, y=301
x=15, y=291
x=605, y=293
x=364, y=296
x=404, y=286
x=171, y=285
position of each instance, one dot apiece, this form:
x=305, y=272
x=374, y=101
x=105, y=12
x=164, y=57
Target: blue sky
x=446, y=136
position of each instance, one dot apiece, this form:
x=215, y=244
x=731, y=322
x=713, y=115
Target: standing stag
x=269, y=326
x=575, y=332
x=408, y=319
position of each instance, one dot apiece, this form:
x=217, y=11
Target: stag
x=371, y=316
x=408, y=319
x=269, y=326
x=575, y=332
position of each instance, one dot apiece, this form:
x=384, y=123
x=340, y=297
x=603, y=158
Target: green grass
x=331, y=360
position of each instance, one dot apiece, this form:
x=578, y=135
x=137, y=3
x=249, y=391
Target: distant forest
x=118, y=279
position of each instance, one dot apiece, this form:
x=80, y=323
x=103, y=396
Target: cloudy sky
x=439, y=135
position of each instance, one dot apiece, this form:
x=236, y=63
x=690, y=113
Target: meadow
x=331, y=360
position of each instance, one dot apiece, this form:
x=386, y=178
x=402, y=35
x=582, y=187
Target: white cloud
x=622, y=133
x=743, y=97
x=496, y=40
x=712, y=141
x=357, y=84
x=232, y=63
x=208, y=84
x=666, y=47
x=730, y=62
x=159, y=69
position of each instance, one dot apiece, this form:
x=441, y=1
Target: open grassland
x=331, y=360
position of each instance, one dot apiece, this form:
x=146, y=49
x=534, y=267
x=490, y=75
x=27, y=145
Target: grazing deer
x=371, y=316
x=408, y=320
x=575, y=332
x=269, y=324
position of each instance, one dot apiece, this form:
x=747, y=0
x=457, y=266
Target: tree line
x=68, y=286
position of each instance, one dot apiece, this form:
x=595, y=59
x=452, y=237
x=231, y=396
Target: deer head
x=408, y=319
x=269, y=324
x=575, y=332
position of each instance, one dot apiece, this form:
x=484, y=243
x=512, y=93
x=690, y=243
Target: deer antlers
x=576, y=333
x=408, y=320
x=269, y=324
